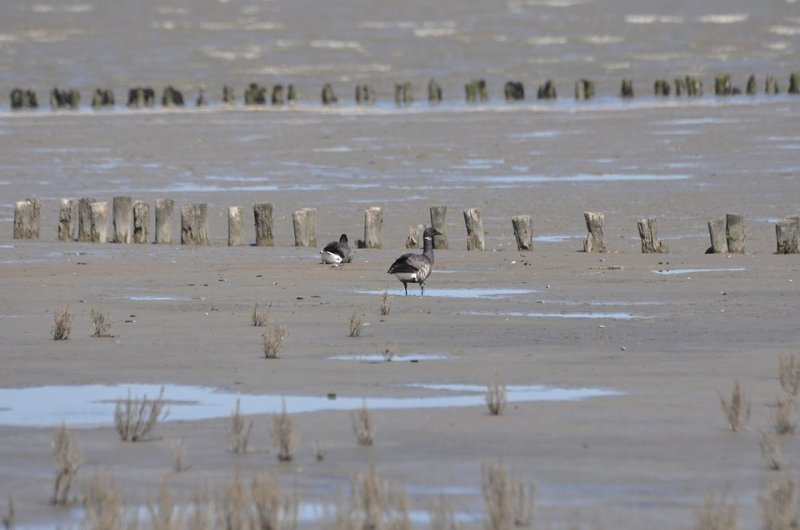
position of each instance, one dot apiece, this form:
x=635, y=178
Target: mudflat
x=661, y=333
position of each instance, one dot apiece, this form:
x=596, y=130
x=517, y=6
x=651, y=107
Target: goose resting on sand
x=337, y=252
x=415, y=268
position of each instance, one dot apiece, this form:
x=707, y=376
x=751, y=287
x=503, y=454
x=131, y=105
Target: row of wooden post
x=474, y=90
x=87, y=220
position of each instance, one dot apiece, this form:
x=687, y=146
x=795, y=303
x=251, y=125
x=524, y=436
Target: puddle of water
x=614, y=315
x=607, y=177
x=93, y=405
x=672, y=272
x=557, y=238
x=409, y=358
x=459, y=293
x=601, y=303
x=157, y=298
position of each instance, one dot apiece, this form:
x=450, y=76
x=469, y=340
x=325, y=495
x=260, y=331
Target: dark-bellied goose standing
x=415, y=268
x=337, y=252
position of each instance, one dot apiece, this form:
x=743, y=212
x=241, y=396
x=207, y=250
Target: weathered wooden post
x=734, y=233
x=438, y=221
x=277, y=95
x=123, y=219
x=514, y=91
x=787, y=232
x=680, y=86
x=414, y=235
x=60, y=99
x=523, y=231
x=547, y=90
x=227, y=95
x=23, y=99
x=67, y=215
x=474, y=223
x=661, y=87
x=255, y=94
x=99, y=222
x=304, y=222
x=434, y=91
x=103, y=97
x=328, y=96
x=291, y=94
x=141, y=220
x=751, y=89
x=85, y=219
x=403, y=93
x=171, y=97
x=626, y=89
x=584, y=89
x=794, y=82
x=373, y=221
x=201, y=98
x=694, y=86
x=719, y=238
x=164, y=209
x=595, y=240
x=649, y=237
x=262, y=215
x=364, y=95
x=722, y=85
x=235, y=225
x=27, y=218
x=194, y=224
x=771, y=86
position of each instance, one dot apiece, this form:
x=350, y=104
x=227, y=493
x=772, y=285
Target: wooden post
x=27, y=218
x=771, y=86
x=475, y=235
x=719, y=239
x=164, y=209
x=794, y=82
x=141, y=220
x=262, y=214
x=123, y=219
x=194, y=224
x=99, y=222
x=751, y=89
x=67, y=215
x=414, y=235
x=373, y=221
x=304, y=222
x=584, y=89
x=734, y=233
x=235, y=224
x=85, y=219
x=626, y=89
x=787, y=232
x=438, y=217
x=649, y=236
x=328, y=96
x=722, y=85
x=523, y=231
x=595, y=224
x=434, y=91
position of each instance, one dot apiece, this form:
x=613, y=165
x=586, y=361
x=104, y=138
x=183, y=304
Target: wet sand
x=182, y=316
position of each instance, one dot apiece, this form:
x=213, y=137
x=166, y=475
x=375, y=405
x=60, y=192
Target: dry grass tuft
x=363, y=426
x=179, y=455
x=62, y=324
x=442, y=514
x=233, y=505
x=101, y=324
x=356, y=325
x=10, y=518
x=260, y=318
x=778, y=505
x=163, y=512
x=136, y=418
x=320, y=448
x=771, y=449
x=509, y=502
x=716, y=514
x=784, y=417
x=789, y=373
x=283, y=435
x=239, y=431
x=496, y=399
x=737, y=409
x=261, y=507
x=273, y=339
x=68, y=459
x=387, y=354
x=385, y=304
x=102, y=504
x=201, y=514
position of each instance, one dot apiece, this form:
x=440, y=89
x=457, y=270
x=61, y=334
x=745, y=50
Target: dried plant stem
x=62, y=324
x=68, y=459
x=284, y=437
x=260, y=318
x=716, y=514
x=778, y=505
x=363, y=426
x=239, y=431
x=496, y=399
x=356, y=324
x=136, y=418
x=385, y=304
x=784, y=415
x=770, y=445
x=101, y=324
x=737, y=409
x=789, y=373
x=273, y=340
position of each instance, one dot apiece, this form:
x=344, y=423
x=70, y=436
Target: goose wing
x=405, y=263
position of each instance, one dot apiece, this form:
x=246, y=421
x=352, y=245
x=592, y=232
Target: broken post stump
x=649, y=236
x=584, y=89
x=719, y=239
x=475, y=234
x=734, y=233
x=434, y=91
x=595, y=240
x=403, y=93
x=85, y=219
x=373, y=221
x=141, y=220
x=67, y=217
x=523, y=231
x=364, y=95
x=414, y=236
x=27, y=218
x=171, y=97
x=328, y=96
x=771, y=86
x=787, y=232
x=751, y=89
x=626, y=88
x=194, y=224
x=103, y=97
x=235, y=225
x=438, y=221
x=98, y=212
x=164, y=209
x=514, y=91
x=794, y=82
x=123, y=219
x=304, y=222
x=723, y=85
x=262, y=216
x=547, y=90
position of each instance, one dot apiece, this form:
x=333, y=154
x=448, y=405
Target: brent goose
x=337, y=252
x=415, y=268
